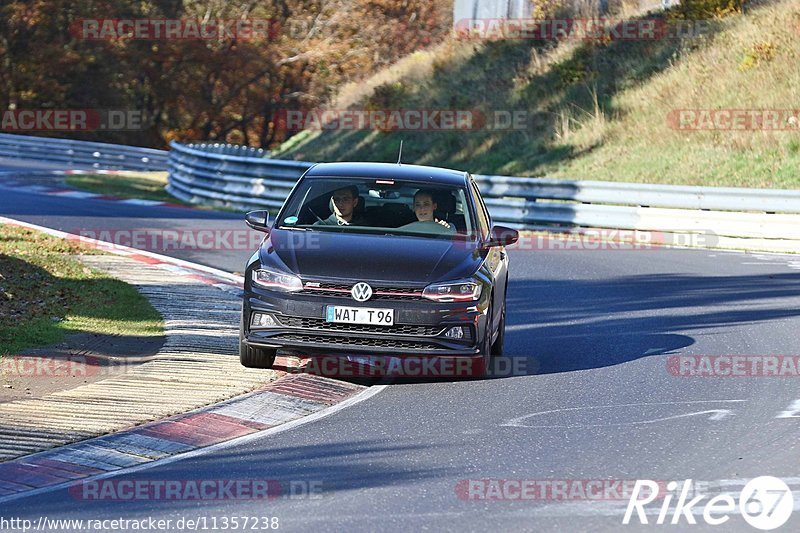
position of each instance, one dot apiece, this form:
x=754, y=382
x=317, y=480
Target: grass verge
x=45, y=294
x=142, y=185
x=596, y=109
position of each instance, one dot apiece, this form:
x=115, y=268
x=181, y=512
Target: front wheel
x=486, y=347
x=497, y=347
x=252, y=357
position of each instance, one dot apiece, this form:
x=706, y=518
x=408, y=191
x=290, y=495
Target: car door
x=496, y=260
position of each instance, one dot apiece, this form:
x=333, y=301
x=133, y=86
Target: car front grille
x=361, y=343
x=324, y=288
x=322, y=325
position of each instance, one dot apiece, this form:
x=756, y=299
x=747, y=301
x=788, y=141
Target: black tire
x=253, y=357
x=486, y=347
x=497, y=347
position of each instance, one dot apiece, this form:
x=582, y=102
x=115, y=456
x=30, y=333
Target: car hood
x=394, y=258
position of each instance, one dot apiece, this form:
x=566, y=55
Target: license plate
x=359, y=315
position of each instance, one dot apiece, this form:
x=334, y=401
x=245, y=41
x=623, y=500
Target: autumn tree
x=192, y=89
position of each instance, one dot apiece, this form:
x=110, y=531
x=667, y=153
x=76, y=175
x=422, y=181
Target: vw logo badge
x=361, y=292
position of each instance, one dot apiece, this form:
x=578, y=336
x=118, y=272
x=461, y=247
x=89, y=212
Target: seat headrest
x=446, y=202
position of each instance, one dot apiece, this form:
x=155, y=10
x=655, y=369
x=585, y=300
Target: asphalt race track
x=591, y=333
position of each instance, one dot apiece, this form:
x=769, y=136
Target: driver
x=343, y=204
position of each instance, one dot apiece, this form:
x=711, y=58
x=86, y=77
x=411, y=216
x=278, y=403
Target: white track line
x=360, y=397
x=112, y=248
x=366, y=394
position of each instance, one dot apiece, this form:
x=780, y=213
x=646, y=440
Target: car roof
x=433, y=175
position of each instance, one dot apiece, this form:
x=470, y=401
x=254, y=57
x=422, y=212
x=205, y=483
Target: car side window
x=483, y=215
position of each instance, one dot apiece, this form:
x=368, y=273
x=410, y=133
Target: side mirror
x=502, y=236
x=258, y=220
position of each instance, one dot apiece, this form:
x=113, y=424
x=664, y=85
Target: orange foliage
x=204, y=89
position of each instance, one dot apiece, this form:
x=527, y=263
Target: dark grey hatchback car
x=377, y=259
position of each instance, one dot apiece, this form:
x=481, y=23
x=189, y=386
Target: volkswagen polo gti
x=377, y=259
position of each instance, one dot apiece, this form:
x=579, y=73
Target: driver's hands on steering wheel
x=443, y=223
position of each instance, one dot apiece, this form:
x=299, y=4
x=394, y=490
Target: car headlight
x=275, y=280
x=455, y=291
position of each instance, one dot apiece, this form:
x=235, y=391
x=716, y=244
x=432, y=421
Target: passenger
x=424, y=207
x=343, y=204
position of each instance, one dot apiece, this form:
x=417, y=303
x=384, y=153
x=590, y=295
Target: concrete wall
x=498, y=9
x=490, y=9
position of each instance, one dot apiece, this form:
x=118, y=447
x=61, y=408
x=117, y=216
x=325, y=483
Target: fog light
x=263, y=320
x=455, y=333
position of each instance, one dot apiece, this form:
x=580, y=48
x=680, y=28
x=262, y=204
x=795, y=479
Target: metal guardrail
x=81, y=154
x=643, y=195
x=228, y=176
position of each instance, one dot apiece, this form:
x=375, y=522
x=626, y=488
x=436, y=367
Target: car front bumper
x=419, y=326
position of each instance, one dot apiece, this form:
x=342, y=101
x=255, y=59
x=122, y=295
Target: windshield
x=370, y=205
